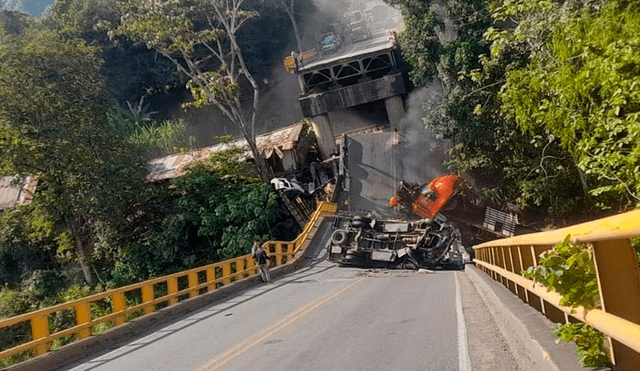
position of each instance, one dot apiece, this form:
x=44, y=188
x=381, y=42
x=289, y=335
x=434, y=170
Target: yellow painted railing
x=173, y=287
x=304, y=57
x=617, y=273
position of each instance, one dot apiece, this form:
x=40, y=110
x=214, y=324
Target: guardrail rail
x=617, y=273
x=172, y=289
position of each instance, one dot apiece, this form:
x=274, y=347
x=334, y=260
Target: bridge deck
x=380, y=41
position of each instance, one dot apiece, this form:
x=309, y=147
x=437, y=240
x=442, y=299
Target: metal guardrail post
x=226, y=273
x=172, y=288
x=211, y=277
x=278, y=253
x=619, y=284
x=83, y=315
x=251, y=267
x=39, y=330
x=192, y=278
x=118, y=304
x=147, y=296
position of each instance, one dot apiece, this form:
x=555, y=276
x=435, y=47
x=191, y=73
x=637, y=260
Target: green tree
x=131, y=70
x=191, y=33
x=583, y=87
x=451, y=43
x=53, y=126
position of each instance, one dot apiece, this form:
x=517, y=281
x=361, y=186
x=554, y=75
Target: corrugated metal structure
x=285, y=149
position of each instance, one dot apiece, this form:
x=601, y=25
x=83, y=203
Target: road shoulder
x=494, y=312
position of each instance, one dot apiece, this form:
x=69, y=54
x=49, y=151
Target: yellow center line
x=222, y=359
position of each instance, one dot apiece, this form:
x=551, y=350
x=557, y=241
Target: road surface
x=379, y=40
x=324, y=317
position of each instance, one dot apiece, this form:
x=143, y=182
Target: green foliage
x=583, y=87
x=569, y=270
x=589, y=343
x=419, y=41
x=204, y=35
x=131, y=70
x=164, y=138
x=12, y=22
x=526, y=169
x=231, y=203
x=54, y=127
x=26, y=243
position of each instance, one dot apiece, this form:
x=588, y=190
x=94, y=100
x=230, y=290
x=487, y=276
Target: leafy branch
x=569, y=270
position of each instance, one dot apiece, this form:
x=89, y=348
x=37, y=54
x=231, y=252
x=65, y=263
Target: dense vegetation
x=542, y=101
x=540, y=97
x=73, y=114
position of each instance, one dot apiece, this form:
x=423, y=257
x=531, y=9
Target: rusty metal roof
x=12, y=194
x=173, y=166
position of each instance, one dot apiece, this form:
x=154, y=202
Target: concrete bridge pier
x=395, y=109
x=324, y=135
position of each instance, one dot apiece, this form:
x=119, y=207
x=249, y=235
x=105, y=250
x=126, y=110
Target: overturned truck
x=363, y=242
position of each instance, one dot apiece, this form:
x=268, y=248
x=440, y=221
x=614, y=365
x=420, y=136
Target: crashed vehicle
x=426, y=201
x=363, y=242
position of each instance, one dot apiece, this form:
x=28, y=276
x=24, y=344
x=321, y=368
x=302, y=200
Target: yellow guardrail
x=194, y=281
x=308, y=56
x=617, y=273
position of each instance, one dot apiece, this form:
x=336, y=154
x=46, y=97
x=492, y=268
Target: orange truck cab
x=440, y=191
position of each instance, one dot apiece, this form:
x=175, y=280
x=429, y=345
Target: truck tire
x=354, y=258
x=339, y=237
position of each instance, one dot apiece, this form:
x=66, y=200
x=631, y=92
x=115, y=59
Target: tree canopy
x=523, y=84
x=53, y=126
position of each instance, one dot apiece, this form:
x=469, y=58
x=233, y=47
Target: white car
x=286, y=185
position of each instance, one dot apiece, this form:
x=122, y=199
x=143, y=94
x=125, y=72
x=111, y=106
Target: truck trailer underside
x=363, y=242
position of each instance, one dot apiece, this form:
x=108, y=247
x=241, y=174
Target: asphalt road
x=322, y=317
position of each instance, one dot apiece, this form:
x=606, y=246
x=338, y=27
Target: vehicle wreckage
x=426, y=201
x=426, y=243
x=431, y=242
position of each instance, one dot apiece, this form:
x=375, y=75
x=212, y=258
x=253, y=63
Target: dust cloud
x=419, y=153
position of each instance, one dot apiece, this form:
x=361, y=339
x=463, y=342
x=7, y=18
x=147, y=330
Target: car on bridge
x=330, y=38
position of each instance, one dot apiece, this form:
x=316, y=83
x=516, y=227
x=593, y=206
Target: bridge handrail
x=616, y=269
x=216, y=275
x=307, y=56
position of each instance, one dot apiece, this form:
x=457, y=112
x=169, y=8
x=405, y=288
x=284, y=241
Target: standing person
x=260, y=256
x=296, y=58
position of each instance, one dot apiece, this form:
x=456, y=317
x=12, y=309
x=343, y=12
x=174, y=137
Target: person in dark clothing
x=260, y=257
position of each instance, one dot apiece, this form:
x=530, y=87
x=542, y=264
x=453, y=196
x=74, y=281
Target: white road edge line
x=464, y=361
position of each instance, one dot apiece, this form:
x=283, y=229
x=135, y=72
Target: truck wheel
x=354, y=258
x=339, y=237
